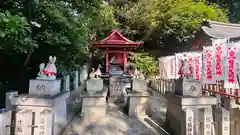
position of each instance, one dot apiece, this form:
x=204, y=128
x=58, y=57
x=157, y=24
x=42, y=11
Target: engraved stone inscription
x=44, y=122
x=41, y=126
x=190, y=125
x=225, y=119
x=40, y=88
x=207, y=126
x=207, y=121
x=192, y=88
x=23, y=120
x=225, y=122
x=115, y=86
x=189, y=122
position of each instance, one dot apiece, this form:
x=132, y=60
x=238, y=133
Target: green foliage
x=163, y=24
x=159, y=21
x=15, y=33
x=145, y=62
x=233, y=7
x=36, y=29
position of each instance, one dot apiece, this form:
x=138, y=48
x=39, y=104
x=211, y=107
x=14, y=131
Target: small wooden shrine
x=116, y=48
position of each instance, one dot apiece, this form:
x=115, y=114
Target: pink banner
x=197, y=66
x=209, y=63
x=219, y=46
x=231, y=63
x=190, y=62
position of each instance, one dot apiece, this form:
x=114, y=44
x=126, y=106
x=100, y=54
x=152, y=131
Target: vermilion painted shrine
x=116, y=46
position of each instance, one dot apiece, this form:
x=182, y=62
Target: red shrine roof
x=115, y=38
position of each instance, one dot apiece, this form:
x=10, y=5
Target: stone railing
x=62, y=104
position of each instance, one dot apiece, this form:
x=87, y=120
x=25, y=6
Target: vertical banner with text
x=230, y=78
x=219, y=48
x=208, y=64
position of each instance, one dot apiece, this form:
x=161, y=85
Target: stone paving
x=115, y=123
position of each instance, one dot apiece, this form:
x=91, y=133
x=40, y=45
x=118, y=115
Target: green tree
x=63, y=28
x=163, y=25
x=32, y=30
x=164, y=22
x=145, y=62
x=233, y=7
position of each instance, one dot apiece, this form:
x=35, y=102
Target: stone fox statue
x=41, y=68
x=51, y=68
x=48, y=72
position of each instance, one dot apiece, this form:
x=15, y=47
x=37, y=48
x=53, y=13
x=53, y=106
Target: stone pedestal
x=44, y=87
x=178, y=108
x=94, y=85
x=5, y=121
x=94, y=105
x=137, y=103
x=188, y=87
x=50, y=108
x=139, y=85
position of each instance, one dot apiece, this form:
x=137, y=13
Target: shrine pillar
x=124, y=61
x=106, y=61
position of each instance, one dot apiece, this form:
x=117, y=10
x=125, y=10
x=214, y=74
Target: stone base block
x=188, y=87
x=94, y=111
x=91, y=101
x=137, y=103
x=47, y=101
x=186, y=101
x=94, y=105
x=44, y=87
x=136, y=110
x=139, y=85
x=95, y=85
x=115, y=99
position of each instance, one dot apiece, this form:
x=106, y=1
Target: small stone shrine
x=187, y=101
x=44, y=108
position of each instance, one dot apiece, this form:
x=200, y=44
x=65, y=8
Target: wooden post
x=66, y=83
